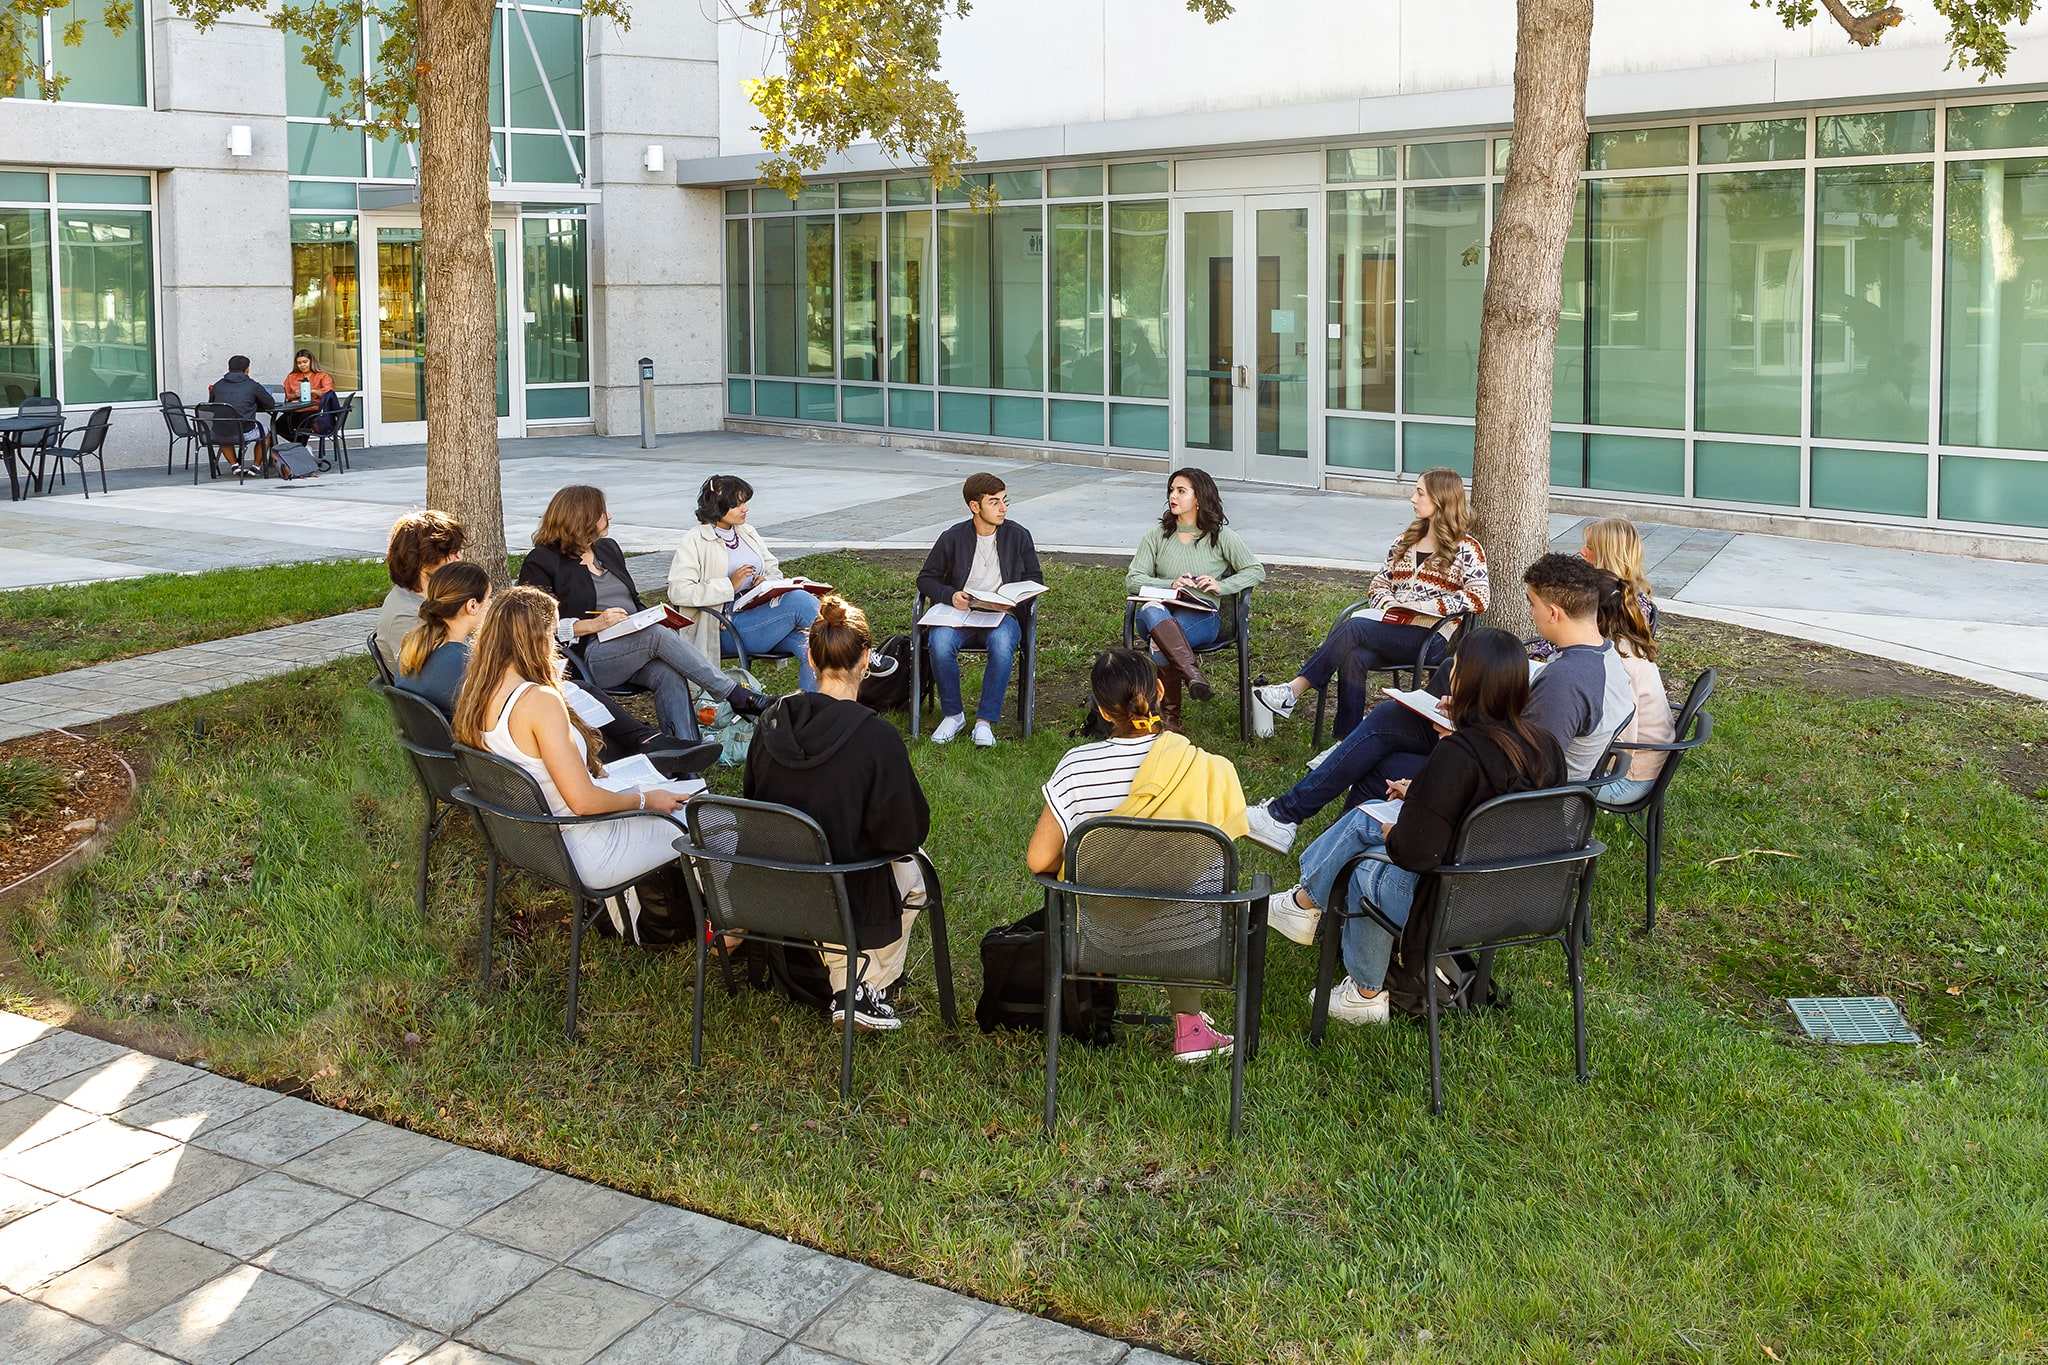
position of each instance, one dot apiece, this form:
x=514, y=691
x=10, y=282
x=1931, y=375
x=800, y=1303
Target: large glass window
x=326, y=309
x=1873, y=267
x=1635, y=324
x=1139, y=300
x=557, y=275
x=106, y=307
x=793, y=296
x=989, y=298
x=1995, y=305
x=102, y=68
x=1444, y=250
x=738, y=347
x=1751, y=301
x=27, y=359
x=860, y=295
x=910, y=294
x=1077, y=299
x=1362, y=300
x=1574, y=300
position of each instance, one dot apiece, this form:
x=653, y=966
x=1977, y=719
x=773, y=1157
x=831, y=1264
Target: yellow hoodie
x=1177, y=781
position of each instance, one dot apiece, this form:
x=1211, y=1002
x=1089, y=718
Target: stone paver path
x=152, y=1212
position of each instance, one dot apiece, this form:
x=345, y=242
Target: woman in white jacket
x=718, y=563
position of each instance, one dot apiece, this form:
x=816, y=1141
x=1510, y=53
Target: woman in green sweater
x=1191, y=548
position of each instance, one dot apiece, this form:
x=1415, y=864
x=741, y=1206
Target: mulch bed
x=99, y=790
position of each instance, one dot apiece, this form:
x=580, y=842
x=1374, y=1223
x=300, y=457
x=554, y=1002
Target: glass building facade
x=1841, y=313
x=77, y=288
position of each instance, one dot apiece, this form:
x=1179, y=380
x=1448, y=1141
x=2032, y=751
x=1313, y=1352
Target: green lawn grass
x=1720, y=1186
x=28, y=787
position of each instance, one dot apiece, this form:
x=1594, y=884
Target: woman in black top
x=1493, y=751
x=583, y=569
x=844, y=766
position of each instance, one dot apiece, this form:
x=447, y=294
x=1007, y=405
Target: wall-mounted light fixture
x=653, y=159
x=240, y=140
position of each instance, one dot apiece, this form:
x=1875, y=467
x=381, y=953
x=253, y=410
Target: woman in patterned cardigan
x=1434, y=570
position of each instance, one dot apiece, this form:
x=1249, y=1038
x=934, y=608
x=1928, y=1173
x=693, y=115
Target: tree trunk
x=1518, y=324
x=461, y=304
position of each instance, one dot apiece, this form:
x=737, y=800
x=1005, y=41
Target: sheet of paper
x=589, y=708
x=1429, y=707
x=1386, y=812
x=946, y=614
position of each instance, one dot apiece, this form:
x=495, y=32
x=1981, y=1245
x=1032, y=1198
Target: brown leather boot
x=1169, y=699
x=1174, y=645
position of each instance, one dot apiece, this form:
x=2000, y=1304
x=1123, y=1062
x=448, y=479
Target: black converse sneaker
x=870, y=1010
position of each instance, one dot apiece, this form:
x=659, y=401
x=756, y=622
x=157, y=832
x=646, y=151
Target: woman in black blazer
x=574, y=561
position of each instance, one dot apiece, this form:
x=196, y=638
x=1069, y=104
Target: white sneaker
x=1263, y=829
x=1353, y=1006
x=1317, y=761
x=1279, y=698
x=984, y=737
x=949, y=727
x=1285, y=915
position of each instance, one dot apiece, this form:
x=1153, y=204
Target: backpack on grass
x=1460, y=986
x=1013, y=987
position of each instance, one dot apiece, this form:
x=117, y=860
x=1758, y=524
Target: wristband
x=643, y=799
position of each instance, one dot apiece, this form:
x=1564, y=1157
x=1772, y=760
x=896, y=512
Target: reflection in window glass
x=1280, y=315
x=910, y=292
x=557, y=343
x=1444, y=267
x=1362, y=301
x=1770, y=139
x=1635, y=327
x=317, y=149
x=1078, y=289
x=738, y=351
x=105, y=68
x=1209, y=329
x=1138, y=177
x=27, y=358
x=860, y=296
x=1751, y=298
x=304, y=94
x=107, y=316
x=326, y=309
x=793, y=296
x=559, y=40
x=1138, y=300
x=1990, y=127
x=1440, y=160
x=1873, y=268
x=1888, y=134
x=1633, y=148
x=1574, y=299
x=1995, y=301
x=989, y=302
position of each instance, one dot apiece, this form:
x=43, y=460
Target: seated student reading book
x=725, y=561
x=1178, y=596
x=1203, y=566
x=983, y=579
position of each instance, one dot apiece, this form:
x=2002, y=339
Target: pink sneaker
x=1195, y=1039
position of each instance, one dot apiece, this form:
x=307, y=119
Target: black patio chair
x=1240, y=640
x=1026, y=681
x=385, y=674
x=221, y=433
x=579, y=670
x=521, y=832
x=429, y=743
x=1155, y=902
x=1441, y=644
x=747, y=657
x=1691, y=728
x=762, y=871
x=178, y=429
x=30, y=445
x=330, y=447
x=1521, y=873
x=92, y=440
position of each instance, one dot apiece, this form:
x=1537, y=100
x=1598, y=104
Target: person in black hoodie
x=980, y=554
x=844, y=766
x=247, y=398
x=1493, y=751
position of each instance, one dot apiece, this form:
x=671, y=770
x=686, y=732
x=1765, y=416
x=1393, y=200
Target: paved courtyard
x=152, y=1212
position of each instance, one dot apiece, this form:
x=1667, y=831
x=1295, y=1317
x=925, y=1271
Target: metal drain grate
x=1852, y=1019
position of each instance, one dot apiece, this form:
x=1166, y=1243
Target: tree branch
x=1866, y=28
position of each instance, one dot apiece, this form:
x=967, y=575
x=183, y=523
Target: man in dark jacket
x=247, y=398
x=970, y=560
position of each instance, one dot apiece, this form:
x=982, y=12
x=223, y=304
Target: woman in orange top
x=306, y=380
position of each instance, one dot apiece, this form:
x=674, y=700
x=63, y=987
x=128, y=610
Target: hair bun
x=832, y=611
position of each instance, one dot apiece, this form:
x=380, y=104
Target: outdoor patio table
x=12, y=429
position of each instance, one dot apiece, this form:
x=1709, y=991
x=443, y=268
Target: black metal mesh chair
x=1155, y=902
x=1691, y=728
x=747, y=657
x=31, y=444
x=178, y=427
x=92, y=440
x=222, y=435
x=1520, y=873
x=1027, y=667
x=763, y=871
x=424, y=734
x=521, y=832
x=1441, y=644
x=384, y=673
x=1239, y=639
x=330, y=447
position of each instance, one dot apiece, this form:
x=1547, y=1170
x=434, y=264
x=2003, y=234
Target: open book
x=1186, y=598
x=946, y=614
x=776, y=587
x=1008, y=595
x=1424, y=704
x=636, y=771
x=1400, y=616
x=641, y=620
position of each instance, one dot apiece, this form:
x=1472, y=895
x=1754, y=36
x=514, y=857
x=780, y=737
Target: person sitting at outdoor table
x=1193, y=549
x=1581, y=698
x=511, y=704
x=305, y=383
x=247, y=397
x=719, y=562
x=1147, y=772
x=1497, y=748
x=435, y=653
x=420, y=543
x=977, y=555
x=835, y=760
x=1435, y=569
x=584, y=571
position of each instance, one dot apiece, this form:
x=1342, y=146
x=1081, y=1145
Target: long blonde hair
x=450, y=588
x=518, y=634
x=1617, y=547
x=1449, y=524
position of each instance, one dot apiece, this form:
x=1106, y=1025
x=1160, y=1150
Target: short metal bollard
x=647, y=441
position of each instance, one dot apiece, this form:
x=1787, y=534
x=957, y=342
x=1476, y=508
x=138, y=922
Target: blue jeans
x=1390, y=742
x=1367, y=946
x=1354, y=647
x=1201, y=627
x=945, y=644
x=1623, y=791
x=784, y=624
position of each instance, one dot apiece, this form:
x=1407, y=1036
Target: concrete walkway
x=1976, y=618
x=152, y=1212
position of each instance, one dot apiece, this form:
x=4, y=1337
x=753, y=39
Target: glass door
x=395, y=392
x=1250, y=337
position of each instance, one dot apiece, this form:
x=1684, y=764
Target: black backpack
x=1013, y=987
x=889, y=691
x=797, y=973
x=665, y=917
x=1460, y=988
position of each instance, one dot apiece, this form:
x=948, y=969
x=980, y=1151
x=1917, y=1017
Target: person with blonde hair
x=1435, y=569
x=581, y=567
x=435, y=654
x=1614, y=545
x=420, y=543
x=511, y=704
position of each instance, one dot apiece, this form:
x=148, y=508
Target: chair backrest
x=428, y=741
x=1691, y=726
x=1524, y=903
x=1114, y=935
x=41, y=403
x=95, y=431
x=176, y=419
x=218, y=424
x=536, y=848
x=786, y=903
x=385, y=674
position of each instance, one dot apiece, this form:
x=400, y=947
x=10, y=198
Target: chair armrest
x=1680, y=746
x=1612, y=765
x=1130, y=624
x=1260, y=889
x=470, y=798
x=690, y=850
x=1593, y=849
